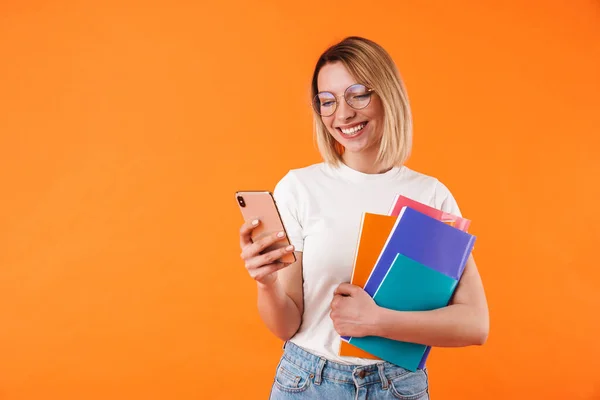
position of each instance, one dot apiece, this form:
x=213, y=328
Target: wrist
x=380, y=318
x=268, y=286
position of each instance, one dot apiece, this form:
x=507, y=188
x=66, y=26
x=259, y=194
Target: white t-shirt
x=321, y=207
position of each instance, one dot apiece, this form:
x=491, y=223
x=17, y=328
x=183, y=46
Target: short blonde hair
x=372, y=66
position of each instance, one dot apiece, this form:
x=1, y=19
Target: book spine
x=466, y=254
x=386, y=275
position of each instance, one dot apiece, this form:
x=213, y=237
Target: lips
x=354, y=130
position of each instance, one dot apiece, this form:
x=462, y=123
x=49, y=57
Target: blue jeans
x=303, y=375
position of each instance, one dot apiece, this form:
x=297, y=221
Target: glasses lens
x=358, y=96
x=324, y=103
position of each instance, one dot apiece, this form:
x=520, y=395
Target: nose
x=344, y=111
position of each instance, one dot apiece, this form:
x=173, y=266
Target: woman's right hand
x=262, y=267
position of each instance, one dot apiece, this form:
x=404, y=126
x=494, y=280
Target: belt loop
x=384, y=380
x=319, y=373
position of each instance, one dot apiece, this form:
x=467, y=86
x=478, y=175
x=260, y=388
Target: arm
x=279, y=285
x=280, y=303
x=464, y=322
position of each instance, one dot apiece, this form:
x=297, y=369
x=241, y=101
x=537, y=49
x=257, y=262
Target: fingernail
x=280, y=234
x=290, y=248
x=255, y=222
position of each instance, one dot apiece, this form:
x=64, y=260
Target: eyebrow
x=342, y=92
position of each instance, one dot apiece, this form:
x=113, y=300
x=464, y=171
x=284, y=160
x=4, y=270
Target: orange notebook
x=374, y=231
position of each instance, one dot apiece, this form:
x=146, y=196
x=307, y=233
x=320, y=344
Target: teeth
x=353, y=130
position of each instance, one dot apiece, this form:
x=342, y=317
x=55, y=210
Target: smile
x=353, y=131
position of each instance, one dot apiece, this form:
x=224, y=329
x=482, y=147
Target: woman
x=364, y=133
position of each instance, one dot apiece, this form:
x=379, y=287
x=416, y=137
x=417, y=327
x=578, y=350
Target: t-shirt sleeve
x=286, y=198
x=444, y=200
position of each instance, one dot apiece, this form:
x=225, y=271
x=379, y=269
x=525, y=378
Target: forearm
x=452, y=326
x=278, y=311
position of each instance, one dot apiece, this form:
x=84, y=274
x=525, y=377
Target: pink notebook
x=452, y=220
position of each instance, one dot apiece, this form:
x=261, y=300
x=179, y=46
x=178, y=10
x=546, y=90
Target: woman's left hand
x=353, y=311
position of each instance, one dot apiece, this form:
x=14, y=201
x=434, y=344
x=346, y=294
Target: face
x=359, y=131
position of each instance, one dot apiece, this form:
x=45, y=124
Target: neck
x=364, y=163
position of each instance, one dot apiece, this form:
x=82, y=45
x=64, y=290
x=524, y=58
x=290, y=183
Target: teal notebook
x=407, y=286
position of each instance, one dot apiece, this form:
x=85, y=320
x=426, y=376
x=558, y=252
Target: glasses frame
x=337, y=101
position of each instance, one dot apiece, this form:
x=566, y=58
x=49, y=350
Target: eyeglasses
x=357, y=96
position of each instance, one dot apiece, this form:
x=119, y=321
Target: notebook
x=407, y=286
x=374, y=231
x=411, y=236
x=457, y=222
x=426, y=240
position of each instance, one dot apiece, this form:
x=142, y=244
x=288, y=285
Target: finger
x=261, y=272
x=336, y=301
x=246, y=231
x=257, y=247
x=270, y=257
x=346, y=289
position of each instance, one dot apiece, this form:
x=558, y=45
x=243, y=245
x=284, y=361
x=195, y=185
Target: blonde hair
x=372, y=66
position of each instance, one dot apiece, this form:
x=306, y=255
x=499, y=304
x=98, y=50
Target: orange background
x=126, y=128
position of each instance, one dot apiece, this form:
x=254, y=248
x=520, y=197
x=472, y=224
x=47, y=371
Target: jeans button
x=361, y=374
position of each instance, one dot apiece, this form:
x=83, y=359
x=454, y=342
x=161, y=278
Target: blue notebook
x=407, y=286
x=426, y=240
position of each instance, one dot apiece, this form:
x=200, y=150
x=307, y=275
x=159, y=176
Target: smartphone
x=261, y=204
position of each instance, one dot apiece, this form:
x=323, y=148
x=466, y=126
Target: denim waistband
x=360, y=375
